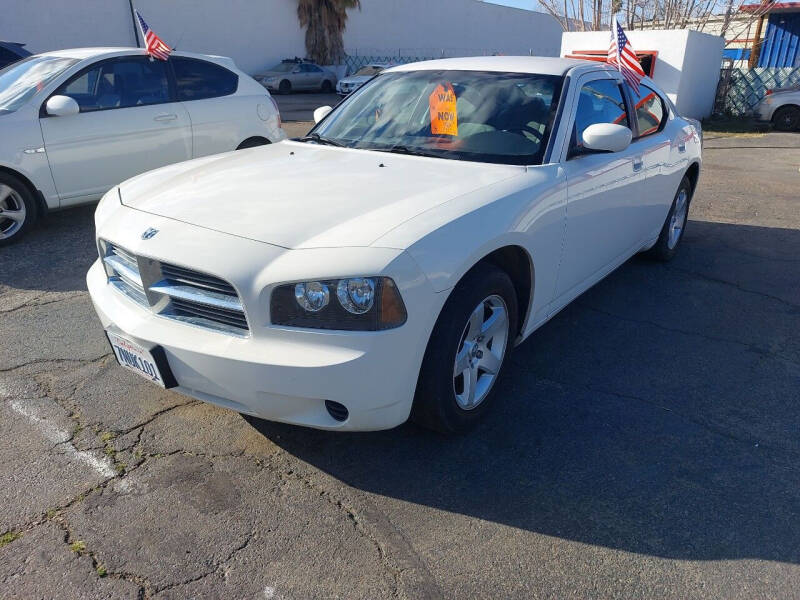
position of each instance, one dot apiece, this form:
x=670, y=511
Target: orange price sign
x=444, y=115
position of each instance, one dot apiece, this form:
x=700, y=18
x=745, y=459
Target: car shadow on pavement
x=54, y=256
x=657, y=414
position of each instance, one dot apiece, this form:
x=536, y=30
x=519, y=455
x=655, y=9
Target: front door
x=128, y=124
x=601, y=191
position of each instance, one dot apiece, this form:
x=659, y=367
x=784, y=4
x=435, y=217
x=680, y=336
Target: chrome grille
x=175, y=292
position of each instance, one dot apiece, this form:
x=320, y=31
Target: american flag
x=153, y=44
x=622, y=55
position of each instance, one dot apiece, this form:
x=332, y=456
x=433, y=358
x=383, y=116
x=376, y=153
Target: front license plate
x=137, y=359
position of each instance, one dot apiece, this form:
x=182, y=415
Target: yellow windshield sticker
x=444, y=115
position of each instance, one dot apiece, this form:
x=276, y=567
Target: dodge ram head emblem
x=148, y=233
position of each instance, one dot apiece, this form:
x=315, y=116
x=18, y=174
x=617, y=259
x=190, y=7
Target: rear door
x=128, y=124
x=653, y=142
x=207, y=92
x=602, y=190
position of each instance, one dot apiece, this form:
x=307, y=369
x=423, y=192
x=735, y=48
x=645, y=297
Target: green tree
x=325, y=22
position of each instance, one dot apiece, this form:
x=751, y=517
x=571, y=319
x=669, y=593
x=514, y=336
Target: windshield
x=283, y=68
x=369, y=70
x=22, y=80
x=466, y=115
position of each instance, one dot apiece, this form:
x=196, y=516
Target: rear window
x=198, y=79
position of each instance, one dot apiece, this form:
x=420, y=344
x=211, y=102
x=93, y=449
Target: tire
x=285, y=86
x=327, y=86
x=787, y=118
x=16, y=198
x=442, y=399
x=253, y=142
x=675, y=225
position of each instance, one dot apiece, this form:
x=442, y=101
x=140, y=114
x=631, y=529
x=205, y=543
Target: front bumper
x=276, y=373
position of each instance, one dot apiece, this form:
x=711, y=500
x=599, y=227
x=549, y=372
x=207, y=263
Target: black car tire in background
x=285, y=87
x=327, y=86
x=787, y=118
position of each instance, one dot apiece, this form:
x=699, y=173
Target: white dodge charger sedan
x=75, y=123
x=386, y=264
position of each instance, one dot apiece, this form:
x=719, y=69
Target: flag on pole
x=153, y=44
x=622, y=56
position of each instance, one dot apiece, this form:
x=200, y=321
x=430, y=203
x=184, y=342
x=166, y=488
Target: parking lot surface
x=300, y=106
x=643, y=445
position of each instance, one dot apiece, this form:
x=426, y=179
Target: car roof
x=85, y=53
x=543, y=65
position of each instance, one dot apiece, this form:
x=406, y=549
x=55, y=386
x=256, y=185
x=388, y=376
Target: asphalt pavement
x=644, y=443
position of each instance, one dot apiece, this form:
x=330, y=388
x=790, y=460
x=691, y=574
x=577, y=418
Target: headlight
x=360, y=304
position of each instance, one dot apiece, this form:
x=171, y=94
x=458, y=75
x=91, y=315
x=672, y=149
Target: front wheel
x=675, y=225
x=285, y=86
x=466, y=351
x=787, y=118
x=18, y=209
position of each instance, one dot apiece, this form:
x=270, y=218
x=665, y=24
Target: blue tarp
x=781, y=47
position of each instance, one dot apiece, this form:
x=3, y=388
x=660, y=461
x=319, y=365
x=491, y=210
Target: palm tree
x=325, y=21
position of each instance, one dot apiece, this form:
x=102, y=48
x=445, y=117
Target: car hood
x=300, y=195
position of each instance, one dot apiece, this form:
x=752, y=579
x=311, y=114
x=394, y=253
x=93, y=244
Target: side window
x=122, y=83
x=314, y=69
x=198, y=79
x=599, y=102
x=650, y=110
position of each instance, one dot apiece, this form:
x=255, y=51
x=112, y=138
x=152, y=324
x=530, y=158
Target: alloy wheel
x=481, y=351
x=678, y=219
x=12, y=211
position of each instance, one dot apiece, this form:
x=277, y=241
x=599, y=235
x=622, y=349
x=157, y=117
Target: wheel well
x=256, y=140
x=515, y=261
x=693, y=174
x=43, y=208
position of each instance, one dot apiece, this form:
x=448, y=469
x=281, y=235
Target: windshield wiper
x=400, y=149
x=317, y=138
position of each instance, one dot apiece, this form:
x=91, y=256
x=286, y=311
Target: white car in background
x=75, y=123
x=781, y=106
x=351, y=83
x=384, y=265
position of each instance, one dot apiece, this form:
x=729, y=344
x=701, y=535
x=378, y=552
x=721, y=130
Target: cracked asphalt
x=644, y=443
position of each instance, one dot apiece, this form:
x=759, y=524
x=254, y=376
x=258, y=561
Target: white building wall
x=687, y=67
x=258, y=33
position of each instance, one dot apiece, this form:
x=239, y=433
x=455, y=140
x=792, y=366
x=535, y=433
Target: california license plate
x=135, y=358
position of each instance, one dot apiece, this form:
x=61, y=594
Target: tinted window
x=599, y=102
x=650, y=110
x=313, y=69
x=198, y=79
x=122, y=83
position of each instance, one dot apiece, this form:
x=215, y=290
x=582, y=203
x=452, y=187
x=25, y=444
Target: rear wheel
x=18, y=209
x=466, y=351
x=327, y=86
x=285, y=86
x=787, y=118
x=675, y=225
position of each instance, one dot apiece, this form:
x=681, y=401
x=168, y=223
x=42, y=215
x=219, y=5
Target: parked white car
x=296, y=74
x=385, y=265
x=351, y=83
x=75, y=123
x=781, y=106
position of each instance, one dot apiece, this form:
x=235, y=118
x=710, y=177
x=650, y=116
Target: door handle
x=637, y=164
x=165, y=117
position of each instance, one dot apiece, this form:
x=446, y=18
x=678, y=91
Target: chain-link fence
x=741, y=89
x=356, y=58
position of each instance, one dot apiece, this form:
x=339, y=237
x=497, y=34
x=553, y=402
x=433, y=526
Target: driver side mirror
x=606, y=137
x=62, y=106
x=321, y=113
